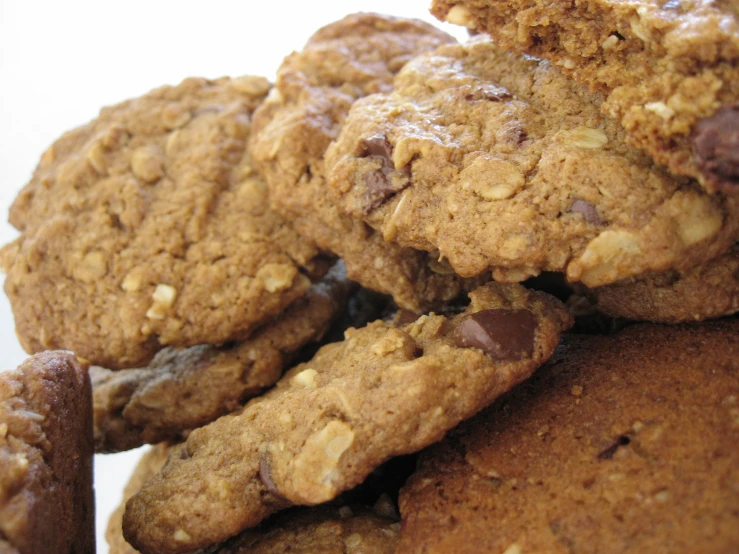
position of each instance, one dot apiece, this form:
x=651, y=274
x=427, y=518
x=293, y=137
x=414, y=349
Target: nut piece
x=460, y=15
x=660, y=108
x=92, y=267
x=164, y=297
x=254, y=86
x=147, y=164
x=306, y=379
x=277, y=276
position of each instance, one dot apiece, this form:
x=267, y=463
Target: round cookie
x=384, y=391
x=315, y=88
x=46, y=494
x=500, y=163
x=625, y=443
x=708, y=291
x=324, y=529
x=184, y=389
x=148, y=227
x=669, y=68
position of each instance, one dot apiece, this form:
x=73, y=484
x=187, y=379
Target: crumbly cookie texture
x=315, y=89
x=324, y=529
x=46, y=495
x=499, y=162
x=709, y=291
x=184, y=389
x=382, y=392
x=148, y=227
x=669, y=68
x=626, y=443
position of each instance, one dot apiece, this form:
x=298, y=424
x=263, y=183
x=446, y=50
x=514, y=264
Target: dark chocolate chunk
x=379, y=183
x=587, y=209
x=501, y=334
x=404, y=317
x=716, y=148
x=378, y=145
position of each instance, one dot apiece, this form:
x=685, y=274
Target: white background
x=61, y=61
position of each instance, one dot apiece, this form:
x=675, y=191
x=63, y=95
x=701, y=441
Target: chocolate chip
x=378, y=145
x=501, y=334
x=588, y=210
x=404, y=317
x=608, y=453
x=379, y=183
x=716, y=148
x=265, y=474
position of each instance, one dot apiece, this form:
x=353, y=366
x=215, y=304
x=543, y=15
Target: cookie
x=149, y=465
x=500, y=163
x=324, y=529
x=46, y=495
x=708, y=291
x=148, y=227
x=626, y=443
x=669, y=69
x=382, y=392
x=184, y=389
x=315, y=89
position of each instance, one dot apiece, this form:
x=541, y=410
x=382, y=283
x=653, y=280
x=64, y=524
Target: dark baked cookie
x=305, y=110
x=498, y=162
x=148, y=227
x=669, y=68
x=626, y=443
x=708, y=291
x=184, y=389
x=46, y=495
x=382, y=392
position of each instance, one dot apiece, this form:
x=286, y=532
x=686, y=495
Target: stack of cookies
x=498, y=254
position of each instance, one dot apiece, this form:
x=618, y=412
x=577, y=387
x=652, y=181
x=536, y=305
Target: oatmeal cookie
x=625, y=443
x=184, y=389
x=669, y=69
x=324, y=529
x=501, y=163
x=315, y=89
x=46, y=495
x=708, y=291
x=382, y=392
x=148, y=227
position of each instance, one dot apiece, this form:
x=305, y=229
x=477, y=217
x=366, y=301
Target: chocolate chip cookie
x=669, y=69
x=500, y=163
x=384, y=391
x=315, y=89
x=184, y=389
x=148, y=227
x=46, y=496
x=626, y=443
x=324, y=529
x=708, y=291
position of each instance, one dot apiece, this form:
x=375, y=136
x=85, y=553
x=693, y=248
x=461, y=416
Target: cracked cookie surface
x=184, y=389
x=382, y=392
x=624, y=443
x=498, y=162
x=304, y=112
x=669, y=68
x=46, y=495
x=148, y=227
